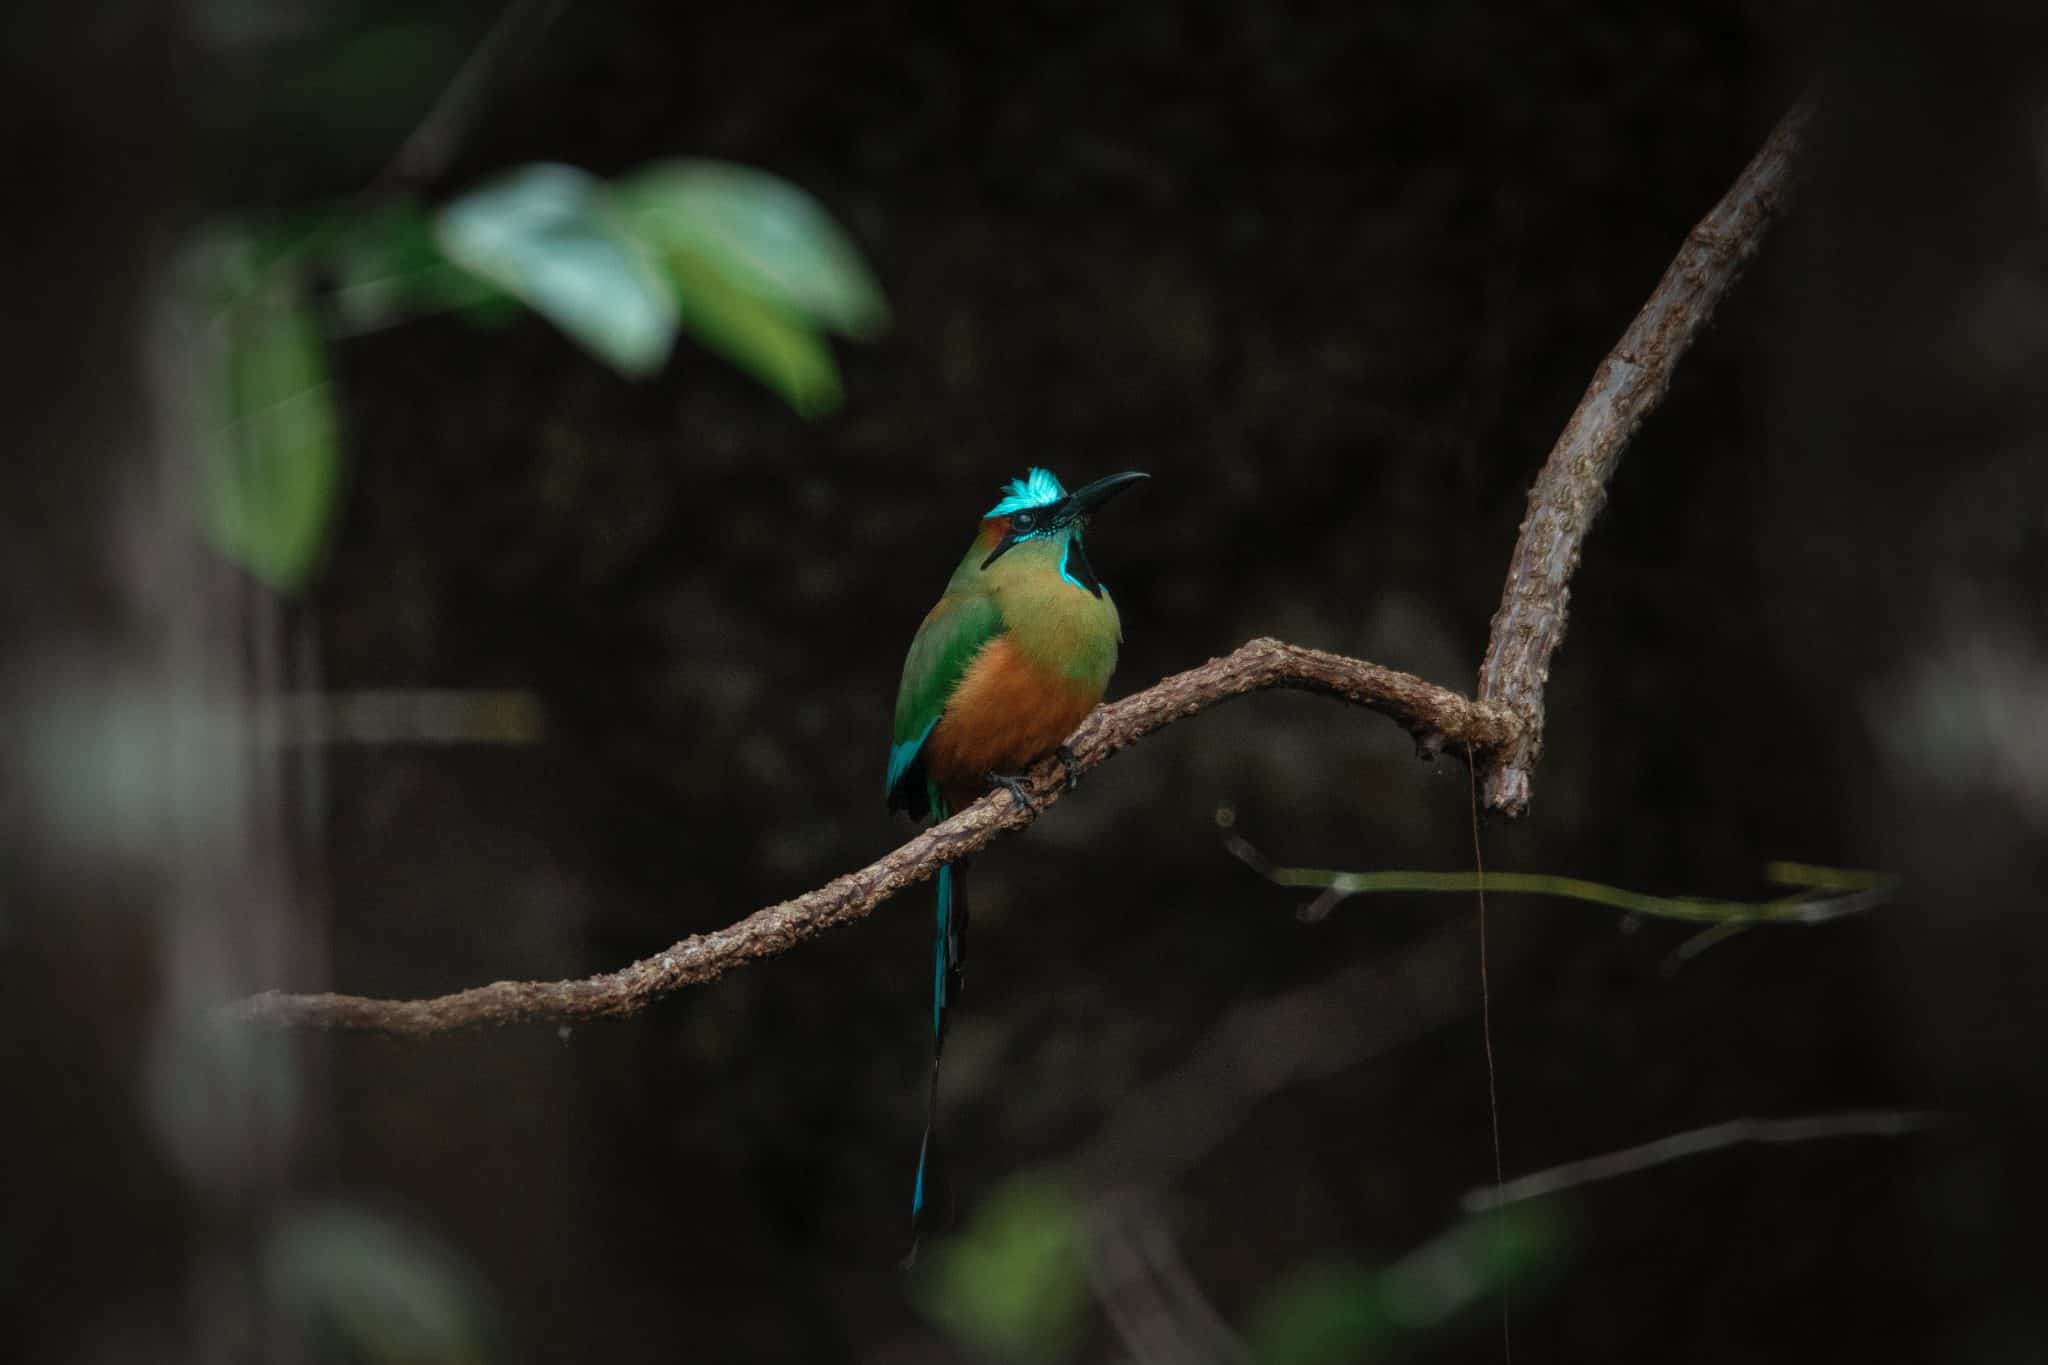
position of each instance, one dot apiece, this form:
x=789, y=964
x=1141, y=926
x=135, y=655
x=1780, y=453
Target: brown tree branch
x=1435, y=717
x=1501, y=731
x=1627, y=387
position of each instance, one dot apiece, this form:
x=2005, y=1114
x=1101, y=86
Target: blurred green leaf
x=271, y=448
x=1325, y=1312
x=387, y=268
x=547, y=234
x=762, y=235
x=770, y=344
x=757, y=260
x=365, y=1288
x=1335, y=1311
x=1012, y=1284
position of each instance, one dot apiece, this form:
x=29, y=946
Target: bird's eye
x=1023, y=521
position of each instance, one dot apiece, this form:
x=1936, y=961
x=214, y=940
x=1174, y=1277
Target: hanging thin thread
x=1500, y=1227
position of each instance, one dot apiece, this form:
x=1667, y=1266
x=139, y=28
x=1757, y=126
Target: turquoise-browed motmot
x=1011, y=659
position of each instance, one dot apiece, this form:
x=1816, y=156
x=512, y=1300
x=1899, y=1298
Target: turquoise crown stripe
x=1037, y=488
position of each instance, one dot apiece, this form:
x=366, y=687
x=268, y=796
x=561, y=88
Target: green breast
x=1060, y=627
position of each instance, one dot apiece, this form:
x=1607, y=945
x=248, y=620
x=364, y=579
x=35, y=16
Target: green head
x=1038, y=510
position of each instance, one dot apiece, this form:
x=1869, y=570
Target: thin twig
x=1500, y=1227
x=1852, y=891
x=1697, y=1141
x=433, y=143
x=1627, y=388
x=1433, y=715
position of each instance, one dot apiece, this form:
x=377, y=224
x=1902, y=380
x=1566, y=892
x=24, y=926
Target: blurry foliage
x=271, y=457
x=762, y=268
x=1329, y=1312
x=547, y=236
x=762, y=235
x=362, y=1288
x=317, y=93
x=1013, y=1285
x=751, y=265
x=386, y=267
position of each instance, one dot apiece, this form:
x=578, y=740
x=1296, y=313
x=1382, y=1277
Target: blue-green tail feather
x=941, y=958
x=949, y=951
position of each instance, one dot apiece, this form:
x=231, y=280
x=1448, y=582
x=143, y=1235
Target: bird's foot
x=1071, y=766
x=1011, y=783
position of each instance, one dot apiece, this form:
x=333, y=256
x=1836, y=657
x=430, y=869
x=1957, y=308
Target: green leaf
x=1011, y=1285
x=547, y=234
x=762, y=235
x=270, y=449
x=1332, y=1312
x=760, y=338
x=1321, y=1314
x=387, y=268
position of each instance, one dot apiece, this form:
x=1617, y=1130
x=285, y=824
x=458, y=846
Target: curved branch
x=1501, y=731
x=1433, y=715
x=1627, y=387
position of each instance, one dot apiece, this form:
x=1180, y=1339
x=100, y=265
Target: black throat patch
x=1075, y=568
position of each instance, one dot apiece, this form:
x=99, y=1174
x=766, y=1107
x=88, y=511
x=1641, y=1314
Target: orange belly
x=1005, y=712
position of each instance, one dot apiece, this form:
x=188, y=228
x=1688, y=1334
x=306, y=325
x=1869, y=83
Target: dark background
x=1334, y=275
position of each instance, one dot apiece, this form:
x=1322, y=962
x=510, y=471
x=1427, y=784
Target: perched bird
x=1011, y=659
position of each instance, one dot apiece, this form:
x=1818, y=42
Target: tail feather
x=930, y=1173
x=949, y=948
x=949, y=953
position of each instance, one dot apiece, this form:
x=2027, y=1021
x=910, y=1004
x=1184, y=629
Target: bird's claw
x=1012, y=784
x=1071, y=766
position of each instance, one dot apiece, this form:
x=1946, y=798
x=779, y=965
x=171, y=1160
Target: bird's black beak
x=1083, y=502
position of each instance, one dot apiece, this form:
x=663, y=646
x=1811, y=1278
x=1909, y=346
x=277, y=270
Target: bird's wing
x=955, y=630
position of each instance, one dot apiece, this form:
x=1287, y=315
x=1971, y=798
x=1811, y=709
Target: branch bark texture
x=1501, y=732
x=1627, y=387
x=1435, y=716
